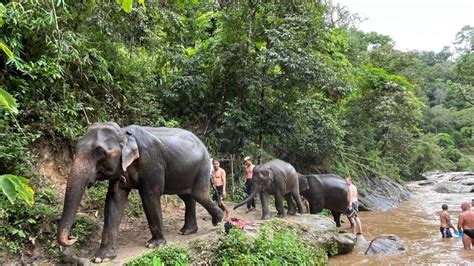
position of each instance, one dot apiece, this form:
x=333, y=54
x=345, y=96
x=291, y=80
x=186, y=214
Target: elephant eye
x=99, y=151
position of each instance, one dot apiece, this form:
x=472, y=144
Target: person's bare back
x=467, y=220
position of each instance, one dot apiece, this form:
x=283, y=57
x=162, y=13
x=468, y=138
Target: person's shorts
x=352, y=213
x=445, y=232
x=469, y=233
x=218, y=194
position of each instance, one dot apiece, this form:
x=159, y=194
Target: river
x=416, y=222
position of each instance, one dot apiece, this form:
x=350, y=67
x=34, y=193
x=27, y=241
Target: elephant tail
x=249, y=198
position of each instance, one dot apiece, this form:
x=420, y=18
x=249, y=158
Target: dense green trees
x=282, y=81
x=294, y=81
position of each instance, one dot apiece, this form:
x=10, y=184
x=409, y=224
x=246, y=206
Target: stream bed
x=416, y=222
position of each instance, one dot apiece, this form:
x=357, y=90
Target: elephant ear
x=303, y=183
x=129, y=151
x=270, y=174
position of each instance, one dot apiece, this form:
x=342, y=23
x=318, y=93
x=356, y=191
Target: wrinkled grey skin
x=277, y=178
x=155, y=161
x=325, y=192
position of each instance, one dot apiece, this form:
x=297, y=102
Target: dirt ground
x=134, y=233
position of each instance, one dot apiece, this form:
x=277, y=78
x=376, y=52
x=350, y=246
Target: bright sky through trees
x=414, y=24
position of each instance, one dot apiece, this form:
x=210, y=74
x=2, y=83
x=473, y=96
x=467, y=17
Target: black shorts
x=445, y=232
x=469, y=233
x=218, y=193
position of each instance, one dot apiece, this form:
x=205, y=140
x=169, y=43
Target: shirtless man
x=445, y=221
x=218, y=181
x=466, y=224
x=248, y=182
x=353, y=208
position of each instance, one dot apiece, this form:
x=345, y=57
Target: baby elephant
x=277, y=178
x=325, y=192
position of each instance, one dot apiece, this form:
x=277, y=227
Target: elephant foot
x=217, y=218
x=153, y=243
x=280, y=215
x=291, y=212
x=188, y=230
x=266, y=217
x=104, y=255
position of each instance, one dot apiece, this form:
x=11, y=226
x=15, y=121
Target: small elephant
x=155, y=161
x=277, y=178
x=325, y=192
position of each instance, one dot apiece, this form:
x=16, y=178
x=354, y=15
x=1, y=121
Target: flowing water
x=416, y=222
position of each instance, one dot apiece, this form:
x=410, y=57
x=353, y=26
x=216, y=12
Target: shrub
x=278, y=243
x=164, y=255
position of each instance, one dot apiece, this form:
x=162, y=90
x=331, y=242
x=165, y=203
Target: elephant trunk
x=253, y=192
x=82, y=174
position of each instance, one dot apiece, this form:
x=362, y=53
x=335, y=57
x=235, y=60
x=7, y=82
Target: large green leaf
x=16, y=186
x=6, y=50
x=8, y=188
x=126, y=5
x=8, y=101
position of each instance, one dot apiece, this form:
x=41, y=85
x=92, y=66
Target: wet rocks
x=345, y=242
x=386, y=244
x=453, y=182
x=426, y=183
x=382, y=194
x=452, y=187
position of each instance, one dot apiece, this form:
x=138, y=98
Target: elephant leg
x=296, y=196
x=315, y=206
x=279, y=205
x=337, y=218
x=291, y=205
x=201, y=195
x=115, y=202
x=190, y=225
x=152, y=206
x=264, y=202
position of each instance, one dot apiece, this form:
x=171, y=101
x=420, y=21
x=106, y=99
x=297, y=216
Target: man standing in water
x=353, y=208
x=445, y=221
x=466, y=224
x=248, y=182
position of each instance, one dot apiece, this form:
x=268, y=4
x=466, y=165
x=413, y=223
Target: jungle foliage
x=296, y=81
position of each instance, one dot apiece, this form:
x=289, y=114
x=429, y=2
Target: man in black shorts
x=445, y=222
x=466, y=224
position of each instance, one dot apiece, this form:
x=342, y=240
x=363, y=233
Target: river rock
x=426, y=183
x=381, y=194
x=452, y=187
x=468, y=182
x=345, y=242
x=386, y=244
x=315, y=229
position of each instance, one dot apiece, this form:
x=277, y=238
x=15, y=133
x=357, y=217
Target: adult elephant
x=325, y=192
x=155, y=161
x=277, y=178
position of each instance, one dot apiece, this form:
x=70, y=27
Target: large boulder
x=345, y=242
x=382, y=194
x=314, y=229
x=386, y=244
